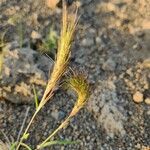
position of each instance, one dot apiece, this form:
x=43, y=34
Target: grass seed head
x=63, y=51
x=78, y=82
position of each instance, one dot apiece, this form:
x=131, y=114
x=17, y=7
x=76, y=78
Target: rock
x=55, y=114
x=138, y=146
x=129, y=72
x=87, y=42
x=51, y=3
x=146, y=24
x=138, y=97
x=33, y=19
x=147, y=101
x=103, y=104
x=21, y=70
x=109, y=65
x=35, y=35
x=98, y=40
x=146, y=63
x=148, y=112
x=109, y=116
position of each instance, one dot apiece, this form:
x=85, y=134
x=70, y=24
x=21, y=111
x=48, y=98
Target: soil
x=112, y=45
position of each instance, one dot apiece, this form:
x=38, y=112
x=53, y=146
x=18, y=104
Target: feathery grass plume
x=78, y=83
x=62, y=58
x=63, y=54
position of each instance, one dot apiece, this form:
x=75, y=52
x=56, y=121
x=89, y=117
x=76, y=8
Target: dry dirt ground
x=112, y=44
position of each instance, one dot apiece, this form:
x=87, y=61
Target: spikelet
x=68, y=27
x=78, y=82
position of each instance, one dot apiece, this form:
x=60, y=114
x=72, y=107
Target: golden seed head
x=78, y=83
x=63, y=51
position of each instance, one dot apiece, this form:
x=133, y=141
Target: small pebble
x=87, y=42
x=138, y=146
x=51, y=3
x=135, y=46
x=55, y=114
x=147, y=101
x=138, y=97
x=35, y=35
x=148, y=112
x=98, y=40
x=129, y=72
x=109, y=65
x=146, y=63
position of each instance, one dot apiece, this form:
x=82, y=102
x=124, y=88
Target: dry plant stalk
x=62, y=58
x=79, y=84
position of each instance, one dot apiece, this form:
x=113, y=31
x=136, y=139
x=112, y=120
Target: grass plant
x=62, y=59
x=77, y=82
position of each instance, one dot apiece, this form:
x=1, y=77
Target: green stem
x=41, y=104
x=35, y=97
x=21, y=140
x=25, y=145
x=53, y=133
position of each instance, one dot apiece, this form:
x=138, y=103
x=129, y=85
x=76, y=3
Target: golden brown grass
x=68, y=27
x=62, y=58
x=79, y=84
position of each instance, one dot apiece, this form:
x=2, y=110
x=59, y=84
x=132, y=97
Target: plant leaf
x=13, y=146
x=35, y=98
x=59, y=142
